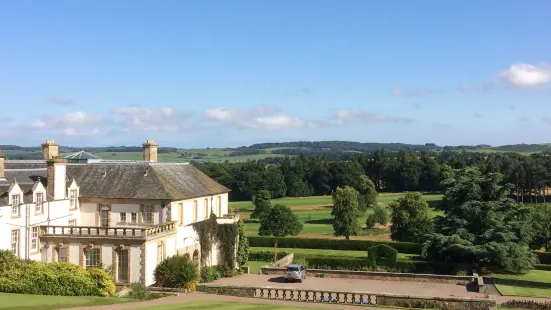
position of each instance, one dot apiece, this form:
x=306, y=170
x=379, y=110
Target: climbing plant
x=243, y=246
x=227, y=237
x=207, y=232
x=382, y=252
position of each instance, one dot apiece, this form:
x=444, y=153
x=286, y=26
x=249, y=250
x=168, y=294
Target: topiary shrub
x=382, y=252
x=175, y=272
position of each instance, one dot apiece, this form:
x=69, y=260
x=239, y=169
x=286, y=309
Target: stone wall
x=283, y=262
x=373, y=275
x=353, y=298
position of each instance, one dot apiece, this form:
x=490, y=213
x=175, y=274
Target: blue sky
x=230, y=73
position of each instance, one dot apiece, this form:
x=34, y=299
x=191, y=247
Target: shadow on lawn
x=320, y=221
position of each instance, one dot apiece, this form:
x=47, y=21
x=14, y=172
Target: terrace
x=137, y=233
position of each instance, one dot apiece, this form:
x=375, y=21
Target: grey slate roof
x=142, y=180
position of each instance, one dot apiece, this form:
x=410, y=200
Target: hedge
x=544, y=257
x=332, y=244
x=542, y=267
x=62, y=279
x=363, y=264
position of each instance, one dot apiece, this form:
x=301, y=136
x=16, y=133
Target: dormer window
x=15, y=208
x=38, y=201
x=73, y=198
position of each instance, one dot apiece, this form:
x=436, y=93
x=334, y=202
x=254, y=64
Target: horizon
x=221, y=74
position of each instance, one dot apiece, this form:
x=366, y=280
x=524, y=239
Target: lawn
x=221, y=305
x=317, y=220
x=533, y=275
x=254, y=266
x=318, y=252
x=42, y=302
x=508, y=290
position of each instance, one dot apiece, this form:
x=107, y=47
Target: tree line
x=399, y=171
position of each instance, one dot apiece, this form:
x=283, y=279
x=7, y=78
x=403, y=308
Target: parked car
x=295, y=272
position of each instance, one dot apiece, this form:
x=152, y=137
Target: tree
x=345, y=212
x=410, y=218
x=481, y=225
x=542, y=228
x=280, y=222
x=262, y=204
x=367, y=194
x=379, y=216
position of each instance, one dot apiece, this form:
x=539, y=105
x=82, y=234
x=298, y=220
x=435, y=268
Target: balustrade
x=106, y=232
x=316, y=296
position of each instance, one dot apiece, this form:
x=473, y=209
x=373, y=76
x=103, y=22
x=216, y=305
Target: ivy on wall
x=226, y=235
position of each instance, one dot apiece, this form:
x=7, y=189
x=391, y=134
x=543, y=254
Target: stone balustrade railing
x=106, y=232
x=352, y=298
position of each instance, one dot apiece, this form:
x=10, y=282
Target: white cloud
x=526, y=76
x=69, y=124
x=139, y=118
x=348, y=116
x=417, y=92
x=63, y=101
x=261, y=117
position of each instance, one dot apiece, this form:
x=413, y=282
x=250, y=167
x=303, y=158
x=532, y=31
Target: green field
x=42, y=302
x=222, y=305
x=508, y=290
x=317, y=220
x=255, y=265
x=533, y=275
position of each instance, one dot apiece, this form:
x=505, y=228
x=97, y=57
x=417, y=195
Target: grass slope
x=42, y=302
x=533, y=275
x=222, y=305
x=508, y=290
x=316, y=216
x=318, y=252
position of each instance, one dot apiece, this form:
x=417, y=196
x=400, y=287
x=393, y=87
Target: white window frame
x=133, y=217
x=73, y=199
x=195, y=211
x=65, y=251
x=122, y=217
x=160, y=252
x=149, y=214
x=15, y=241
x=88, y=260
x=39, y=203
x=34, y=238
x=207, y=214
x=15, y=205
x=73, y=222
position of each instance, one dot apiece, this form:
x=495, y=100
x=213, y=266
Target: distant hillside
x=263, y=151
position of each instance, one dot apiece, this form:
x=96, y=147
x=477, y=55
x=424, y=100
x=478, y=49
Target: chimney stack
x=57, y=178
x=50, y=149
x=2, y=159
x=150, y=151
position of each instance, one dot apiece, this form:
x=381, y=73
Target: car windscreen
x=292, y=268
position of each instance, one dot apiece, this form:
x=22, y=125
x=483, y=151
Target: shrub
x=62, y=279
x=526, y=304
x=224, y=271
x=139, y=291
x=371, y=221
x=382, y=252
x=209, y=274
x=175, y=272
x=331, y=244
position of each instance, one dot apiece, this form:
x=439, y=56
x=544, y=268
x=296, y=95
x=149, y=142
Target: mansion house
x=124, y=215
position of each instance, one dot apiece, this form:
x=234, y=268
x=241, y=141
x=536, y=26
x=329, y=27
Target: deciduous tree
x=280, y=222
x=410, y=218
x=346, y=214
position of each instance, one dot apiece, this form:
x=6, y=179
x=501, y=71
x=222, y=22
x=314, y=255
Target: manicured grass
x=254, y=266
x=221, y=305
x=319, y=222
x=317, y=252
x=508, y=290
x=533, y=275
x=42, y=302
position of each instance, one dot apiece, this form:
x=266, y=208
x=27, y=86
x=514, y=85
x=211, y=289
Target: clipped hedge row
x=544, y=257
x=62, y=279
x=364, y=264
x=331, y=244
x=542, y=267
